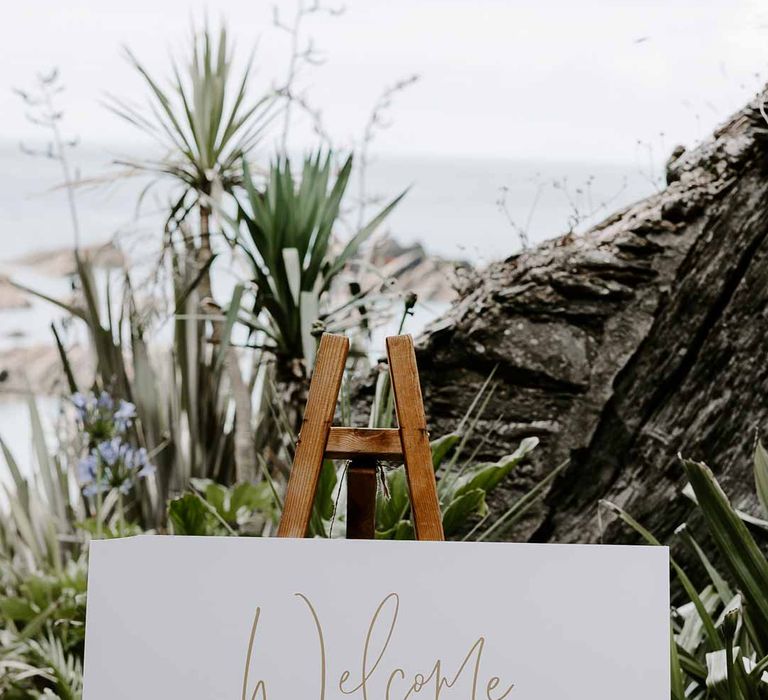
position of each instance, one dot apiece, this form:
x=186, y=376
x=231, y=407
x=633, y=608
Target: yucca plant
x=719, y=638
x=286, y=232
x=206, y=125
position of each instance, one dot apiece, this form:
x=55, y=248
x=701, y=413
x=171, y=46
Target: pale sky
x=546, y=79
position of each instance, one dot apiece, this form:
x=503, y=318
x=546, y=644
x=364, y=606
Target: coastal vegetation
x=187, y=423
x=191, y=432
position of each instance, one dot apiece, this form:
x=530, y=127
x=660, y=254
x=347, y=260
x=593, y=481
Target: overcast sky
x=547, y=79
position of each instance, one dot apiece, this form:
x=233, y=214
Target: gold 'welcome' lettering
x=383, y=623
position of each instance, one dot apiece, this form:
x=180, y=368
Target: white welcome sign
x=190, y=618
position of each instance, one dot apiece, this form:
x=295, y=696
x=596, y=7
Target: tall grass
x=719, y=638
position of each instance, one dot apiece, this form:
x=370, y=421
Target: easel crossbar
x=378, y=443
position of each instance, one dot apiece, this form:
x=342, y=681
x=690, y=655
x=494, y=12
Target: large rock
x=619, y=348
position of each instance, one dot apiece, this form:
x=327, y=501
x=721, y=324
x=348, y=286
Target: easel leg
x=417, y=455
x=361, y=499
x=310, y=449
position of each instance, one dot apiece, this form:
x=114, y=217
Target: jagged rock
x=644, y=337
x=37, y=368
x=432, y=278
x=60, y=262
x=11, y=297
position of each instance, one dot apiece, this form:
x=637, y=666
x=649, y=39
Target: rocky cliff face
x=619, y=348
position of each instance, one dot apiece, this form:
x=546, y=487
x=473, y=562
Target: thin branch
x=43, y=112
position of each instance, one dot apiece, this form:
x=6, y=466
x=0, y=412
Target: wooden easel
x=363, y=446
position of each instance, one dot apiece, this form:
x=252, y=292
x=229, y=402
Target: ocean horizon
x=452, y=205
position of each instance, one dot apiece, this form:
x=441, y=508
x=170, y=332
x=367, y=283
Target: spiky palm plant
x=206, y=125
x=286, y=232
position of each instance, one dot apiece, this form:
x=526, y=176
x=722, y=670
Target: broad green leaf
x=522, y=504
x=17, y=609
x=691, y=635
x=402, y=531
x=391, y=510
x=462, y=509
x=676, y=681
x=326, y=486
x=254, y=497
x=488, y=476
x=189, y=516
x=720, y=584
x=759, y=671
x=441, y=447
x=761, y=476
x=738, y=549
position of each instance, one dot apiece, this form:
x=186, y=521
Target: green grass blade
x=761, y=475
x=744, y=559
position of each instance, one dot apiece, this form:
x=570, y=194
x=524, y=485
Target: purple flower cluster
x=111, y=462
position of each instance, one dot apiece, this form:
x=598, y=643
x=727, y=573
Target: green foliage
x=205, y=122
x=720, y=637
x=40, y=512
x=761, y=476
x=463, y=497
x=42, y=630
x=463, y=484
x=190, y=404
x=463, y=487
x=189, y=515
x=324, y=508
x=213, y=509
x=285, y=232
x=189, y=397
x=182, y=398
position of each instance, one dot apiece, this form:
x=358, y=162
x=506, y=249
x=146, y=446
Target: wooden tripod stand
x=363, y=446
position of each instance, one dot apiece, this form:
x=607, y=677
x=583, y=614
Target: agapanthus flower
x=81, y=403
x=138, y=461
x=109, y=451
x=112, y=462
x=124, y=415
x=86, y=469
x=105, y=401
x=88, y=476
x=95, y=415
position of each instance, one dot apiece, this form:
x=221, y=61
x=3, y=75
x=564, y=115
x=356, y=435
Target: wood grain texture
x=414, y=438
x=315, y=428
x=361, y=499
x=347, y=443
